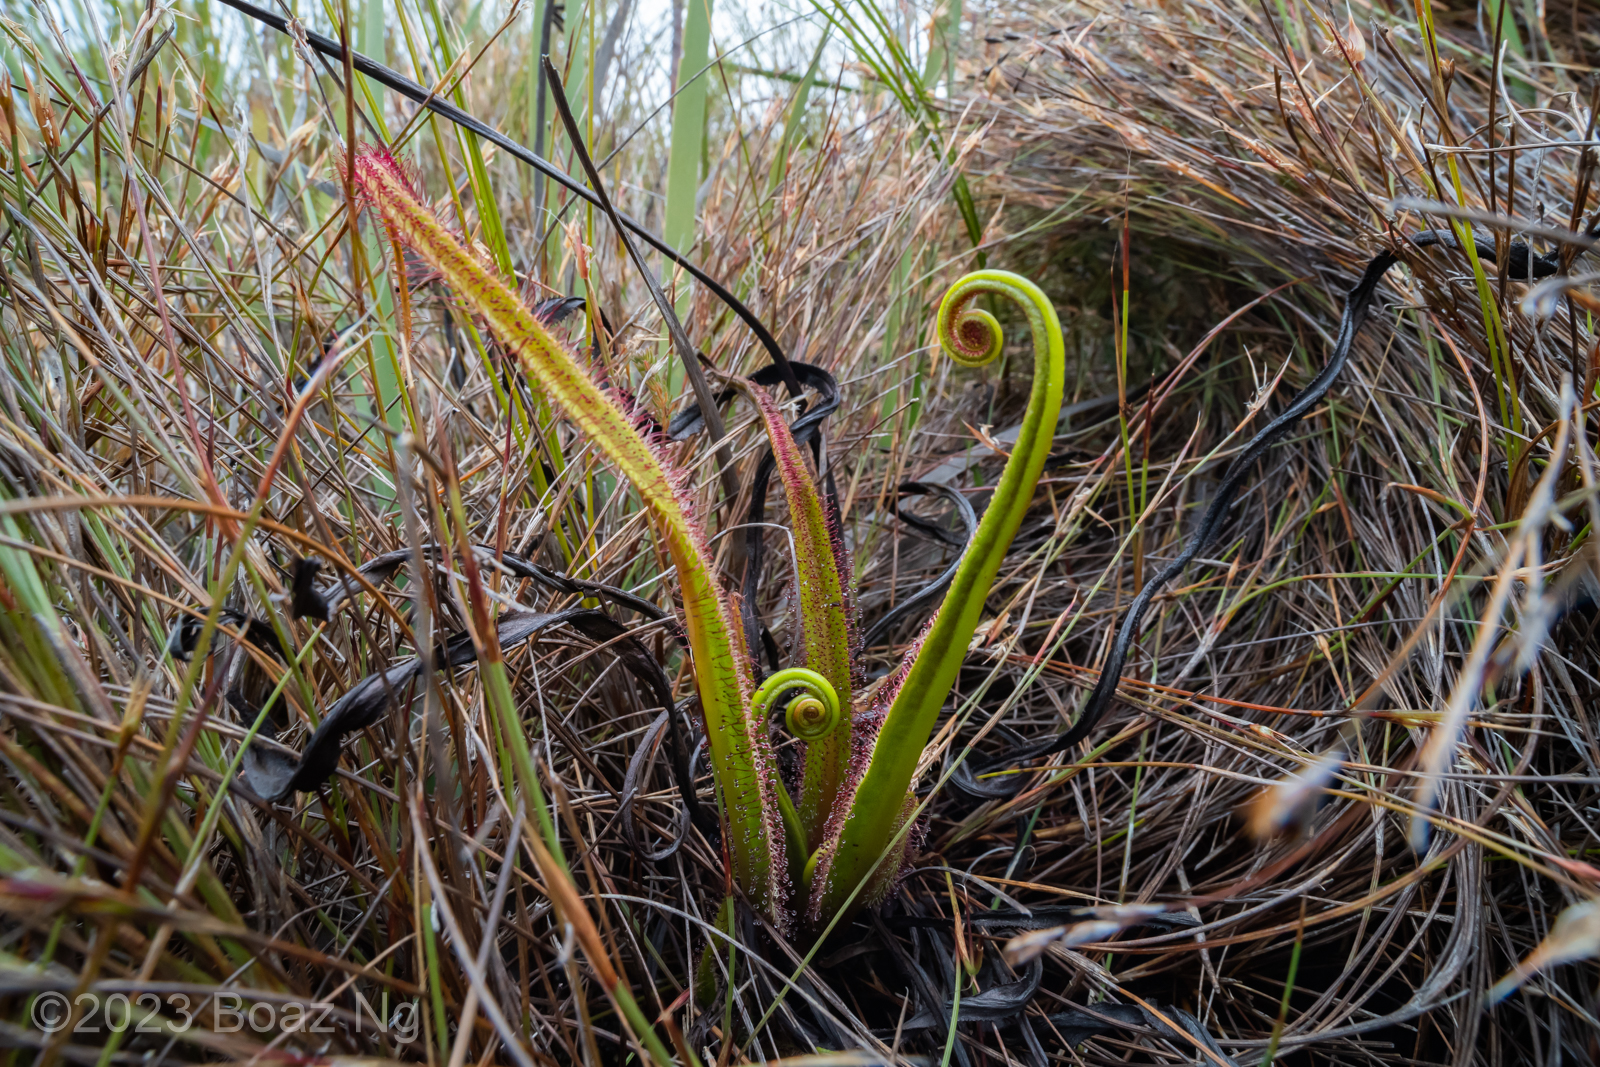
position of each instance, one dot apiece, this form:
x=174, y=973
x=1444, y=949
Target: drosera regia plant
x=838, y=846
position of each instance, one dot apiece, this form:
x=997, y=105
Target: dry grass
x=1244, y=157
x=170, y=280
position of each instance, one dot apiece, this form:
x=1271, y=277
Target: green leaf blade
x=825, y=618
x=722, y=675
x=971, y=337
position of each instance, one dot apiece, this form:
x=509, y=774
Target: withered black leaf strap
x=381, y=568
x=306, y=601
x=925, y=596
x=1357, y=303
x=276, y=776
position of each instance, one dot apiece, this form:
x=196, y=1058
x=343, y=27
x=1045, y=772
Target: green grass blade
x=687, y=146
x=797, y=114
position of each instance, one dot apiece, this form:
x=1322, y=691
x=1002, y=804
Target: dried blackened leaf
x=305, y=599
x=183, y=637
x=276, y=777
x=1078, y=1026
x=1190, y=1026
x=966, y=780
x=918, y=602
x=185, y=632
x=1001, y=1002
x=556, y=308
x=638, y=767
x=997, y=1004
x=382, y=568
x=1522, y=263
x=690, y=421
x=248, y=684
x=561, y=583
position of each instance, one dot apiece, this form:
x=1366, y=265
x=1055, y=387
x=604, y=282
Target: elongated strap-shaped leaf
x=277, y=776
x=381, y=568
x=823, y=619
x=806, y=430
x=971, y=337
x=722, y=675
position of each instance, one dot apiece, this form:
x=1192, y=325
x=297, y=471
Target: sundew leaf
x=825, y=628
x=722, y=675
x=1357, y=303
x=861, y=858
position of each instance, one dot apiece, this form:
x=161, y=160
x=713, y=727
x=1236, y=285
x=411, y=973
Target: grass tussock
x=209, y=375
x=1400, y=554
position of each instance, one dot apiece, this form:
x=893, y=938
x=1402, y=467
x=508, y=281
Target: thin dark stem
x=446, y=110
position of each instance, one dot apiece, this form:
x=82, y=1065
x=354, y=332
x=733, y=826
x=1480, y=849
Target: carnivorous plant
x=837, y=844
